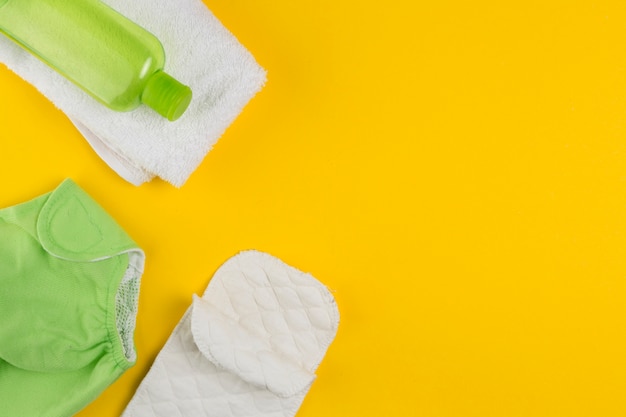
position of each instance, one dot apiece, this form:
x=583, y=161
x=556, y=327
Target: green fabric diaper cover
x=69, y=285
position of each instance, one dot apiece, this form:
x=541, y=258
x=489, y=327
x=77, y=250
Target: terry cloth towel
x=139, y=145
x=248, y=347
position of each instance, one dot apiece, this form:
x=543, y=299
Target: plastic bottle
x=110, y=57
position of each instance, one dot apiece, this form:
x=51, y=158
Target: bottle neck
x=166, y=95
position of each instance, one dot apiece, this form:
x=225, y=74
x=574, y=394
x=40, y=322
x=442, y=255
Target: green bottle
x=110, y=57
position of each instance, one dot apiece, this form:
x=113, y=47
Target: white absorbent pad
x=249, y=347
x=139, y=145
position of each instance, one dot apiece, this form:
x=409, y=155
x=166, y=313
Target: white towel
x=139, y=145
x=248, y=347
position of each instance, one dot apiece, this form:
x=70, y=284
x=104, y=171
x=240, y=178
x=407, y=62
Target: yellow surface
x=454, y=171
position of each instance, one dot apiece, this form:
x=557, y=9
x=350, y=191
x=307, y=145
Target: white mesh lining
x=126, y=302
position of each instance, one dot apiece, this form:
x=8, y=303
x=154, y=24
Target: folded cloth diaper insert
x=139, y=145
x=248, y=347
x=69, y=279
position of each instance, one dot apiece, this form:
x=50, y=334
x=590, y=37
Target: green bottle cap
x=166, y=95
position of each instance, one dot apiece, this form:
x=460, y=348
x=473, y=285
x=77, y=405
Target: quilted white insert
x=249, y=347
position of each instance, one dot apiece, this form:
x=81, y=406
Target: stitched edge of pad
x=252, y=269
x=230, y=346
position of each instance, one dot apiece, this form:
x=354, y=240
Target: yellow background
x=454, y=171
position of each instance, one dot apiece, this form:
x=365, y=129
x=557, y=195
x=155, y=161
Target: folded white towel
x=248, y=347
x=139, y=145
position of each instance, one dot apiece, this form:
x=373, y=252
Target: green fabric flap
x=72, y=226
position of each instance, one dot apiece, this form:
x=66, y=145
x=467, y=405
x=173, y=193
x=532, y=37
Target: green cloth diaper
x=69, y=286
